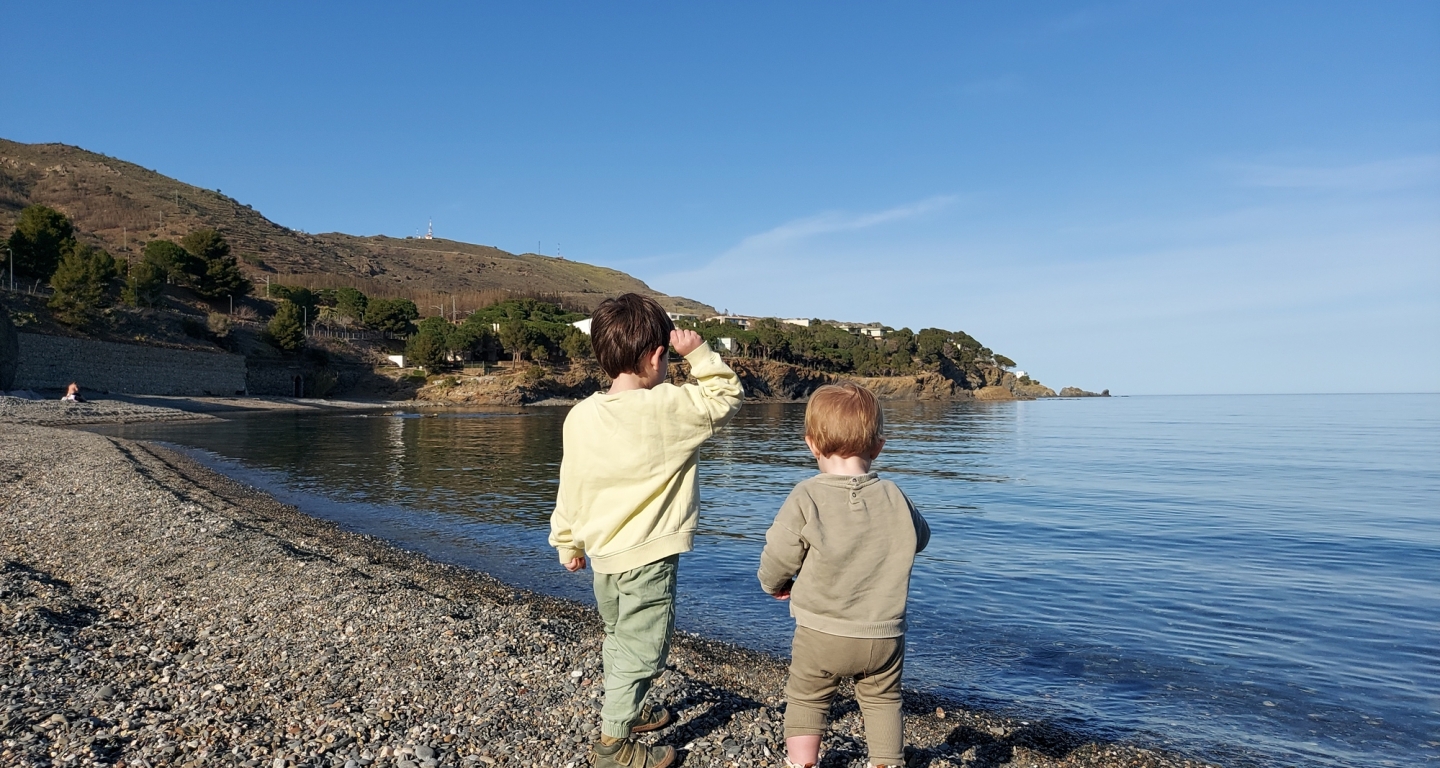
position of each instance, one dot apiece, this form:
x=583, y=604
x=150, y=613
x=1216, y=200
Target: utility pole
x=454, y=312
x=12, y=268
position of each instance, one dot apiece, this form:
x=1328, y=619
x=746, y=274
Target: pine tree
x=41, y=238
x=222, y=278
x=81, y=283
x=144, y=285
x=215, y=273
x=427, y=350
x=286, y=330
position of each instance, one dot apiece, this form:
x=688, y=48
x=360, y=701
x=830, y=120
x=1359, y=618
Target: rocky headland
x=764, y=381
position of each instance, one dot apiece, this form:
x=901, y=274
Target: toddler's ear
x=810, y=443
x=879, y=446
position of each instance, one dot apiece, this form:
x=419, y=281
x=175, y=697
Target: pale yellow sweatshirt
x=628, y=493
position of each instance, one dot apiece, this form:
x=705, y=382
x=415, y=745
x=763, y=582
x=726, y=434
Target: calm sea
x=1251, y=580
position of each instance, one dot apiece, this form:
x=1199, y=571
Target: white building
x=800, y=321
x=740, y=320
x=873, y=330
x=676, y=317
x=583, y=325
x=726, y=344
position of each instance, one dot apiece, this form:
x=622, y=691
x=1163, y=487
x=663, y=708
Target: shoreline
x=166, y=615
x=134, y=409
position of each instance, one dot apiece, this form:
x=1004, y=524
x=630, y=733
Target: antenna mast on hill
x=430, y=230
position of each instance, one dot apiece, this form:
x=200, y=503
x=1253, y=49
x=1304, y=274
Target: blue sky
x=1167, y=197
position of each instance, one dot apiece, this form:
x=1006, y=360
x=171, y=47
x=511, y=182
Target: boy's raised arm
x=718, y=392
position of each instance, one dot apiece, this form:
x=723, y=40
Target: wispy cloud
x=830, y=222
x=1394, y=173
x=795, y=253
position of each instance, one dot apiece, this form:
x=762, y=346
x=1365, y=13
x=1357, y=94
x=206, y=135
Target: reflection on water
x=1250, y=579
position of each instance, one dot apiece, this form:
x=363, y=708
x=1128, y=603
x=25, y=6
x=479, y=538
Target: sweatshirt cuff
x=567, y=554
x=702, y=352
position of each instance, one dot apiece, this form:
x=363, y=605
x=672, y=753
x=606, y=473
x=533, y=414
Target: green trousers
x=638, y=608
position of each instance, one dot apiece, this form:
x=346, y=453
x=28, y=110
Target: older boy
x=840, y=550
x=628, y=502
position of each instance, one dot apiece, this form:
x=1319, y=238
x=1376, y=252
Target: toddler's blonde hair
x=844, y=420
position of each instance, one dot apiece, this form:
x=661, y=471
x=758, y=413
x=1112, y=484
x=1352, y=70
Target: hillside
x=119, y=206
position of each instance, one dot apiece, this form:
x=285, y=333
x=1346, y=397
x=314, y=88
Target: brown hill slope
x=120, y=205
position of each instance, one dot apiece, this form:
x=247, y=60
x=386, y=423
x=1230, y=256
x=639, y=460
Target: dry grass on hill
x=120, y=205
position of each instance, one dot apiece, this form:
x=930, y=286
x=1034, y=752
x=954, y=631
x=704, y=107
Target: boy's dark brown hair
x=844, y=420
x=625, y=330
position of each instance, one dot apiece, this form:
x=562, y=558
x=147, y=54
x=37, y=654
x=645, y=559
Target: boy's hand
x=785, y=595
x=685, y=342
x=578, y=564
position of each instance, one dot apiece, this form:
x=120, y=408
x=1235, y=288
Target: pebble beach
x=155, y=613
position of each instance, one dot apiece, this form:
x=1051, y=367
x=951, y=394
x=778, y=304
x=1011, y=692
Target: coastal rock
x=517, y=384
x=764, y=381
x=1032, y=389
x=994, y=393
x=9, y=351
x=1078, y=392
x=770, y=380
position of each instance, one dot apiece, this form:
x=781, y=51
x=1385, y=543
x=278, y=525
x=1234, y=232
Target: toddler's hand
x=782, y=595
x=578, y=564
x=685, y=342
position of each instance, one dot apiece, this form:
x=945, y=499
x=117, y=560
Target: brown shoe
x=650, y=719
x=629, y=753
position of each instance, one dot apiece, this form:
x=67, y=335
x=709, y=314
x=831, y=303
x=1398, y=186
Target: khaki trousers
x=818, y=662
x=638, y=608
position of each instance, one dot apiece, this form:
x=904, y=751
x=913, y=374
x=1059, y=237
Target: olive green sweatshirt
x=847, y=544
x=628, y=491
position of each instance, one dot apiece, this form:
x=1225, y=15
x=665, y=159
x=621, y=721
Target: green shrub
x=218, y=325
x=40, y=241
x=81, y=284
x=391, y=315
x=144, y=285
x=427, y=349
x=285, y=330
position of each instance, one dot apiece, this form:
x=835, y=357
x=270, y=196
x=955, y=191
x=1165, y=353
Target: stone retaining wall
x=52, y=362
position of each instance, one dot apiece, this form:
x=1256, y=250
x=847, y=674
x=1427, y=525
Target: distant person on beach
x=629, y=503
x=840, y=550
x=72, y=394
